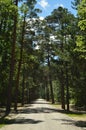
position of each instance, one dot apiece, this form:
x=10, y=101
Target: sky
x=47, y=6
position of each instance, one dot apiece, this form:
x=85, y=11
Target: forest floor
x=41, y=115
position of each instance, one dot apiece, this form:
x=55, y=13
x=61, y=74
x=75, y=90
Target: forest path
x=41, y=116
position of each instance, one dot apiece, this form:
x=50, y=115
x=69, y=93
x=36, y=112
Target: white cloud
x=41, y=18
x=43, y=3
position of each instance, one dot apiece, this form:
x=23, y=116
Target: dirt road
x=41, y=116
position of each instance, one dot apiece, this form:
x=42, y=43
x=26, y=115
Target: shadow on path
x=28, y=109
x=37, y=110
x=72, y=122
x=19, y=121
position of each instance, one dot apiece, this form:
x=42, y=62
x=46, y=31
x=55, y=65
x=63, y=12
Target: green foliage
x=82, y=15
x=75, y=3
x=81, y=39
x=81, y=44
x=50, y=49
x=82, y=25
x=24, y=9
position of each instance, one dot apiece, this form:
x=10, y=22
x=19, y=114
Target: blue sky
x=47, y=6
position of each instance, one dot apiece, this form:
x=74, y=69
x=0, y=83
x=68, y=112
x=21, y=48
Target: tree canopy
x=42, y=58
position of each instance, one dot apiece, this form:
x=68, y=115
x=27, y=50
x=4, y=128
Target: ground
x=41, y=115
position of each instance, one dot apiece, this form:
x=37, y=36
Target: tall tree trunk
x=62, y=74
x=47, y=89
x=19, y=67
x=23, y=87
x=12, y=63
x=50, y=81
x=67, y=85
x=62, y=90
x=51, y=89
x=27, y=93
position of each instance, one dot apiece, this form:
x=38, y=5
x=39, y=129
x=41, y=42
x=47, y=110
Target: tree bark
x=62, y=90
x=50, y=81
x=23, y=87
x=62, y=74
x=19, y=67
x=47, y=89
x=67, y=86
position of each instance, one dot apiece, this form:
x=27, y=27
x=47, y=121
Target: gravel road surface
x=41, y=116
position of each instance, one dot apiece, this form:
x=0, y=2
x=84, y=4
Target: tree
x=75, y=4
x=5, y=41
x=25, y=9
x=81, y=51
x=81, y=46
x=64, y=25
x=12, y=62
x=59, y=16
x=8, y=21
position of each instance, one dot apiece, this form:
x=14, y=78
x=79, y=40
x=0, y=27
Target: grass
x=5, y=121
x=1, y=125
x=78, y=115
